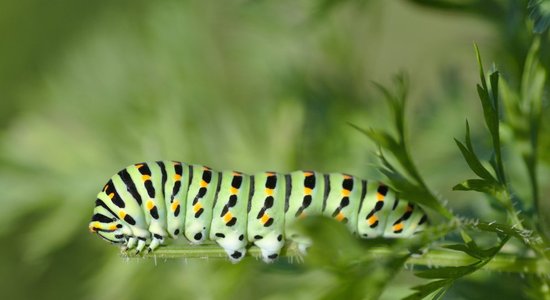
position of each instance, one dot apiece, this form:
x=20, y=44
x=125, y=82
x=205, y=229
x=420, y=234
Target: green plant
x=258, y=85
x=492, y=178
x=364, y=268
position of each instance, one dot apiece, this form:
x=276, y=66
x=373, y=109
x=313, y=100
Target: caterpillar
x=146, y=203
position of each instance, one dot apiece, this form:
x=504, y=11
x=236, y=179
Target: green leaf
x=397, y=102
x=383, y=139
x=539, y=12
x=481, y=71
x=429, y=288
x=412, y=191
x=478, y=185
x=467, y=239
x=532, y=90
x=448, y=272
x=403, y=176
x=493, y=78
x=489, y=103
x=471, y=158
x=447, y=275
x=525, y=236
x=359, y=273
x=489, y=110
x=472, y=249
x=328, y=239
x=533, y=79
x=489, y=97
x=469, y=247
x=465, y=249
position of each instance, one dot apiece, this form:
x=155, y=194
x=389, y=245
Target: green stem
x=512, y=213
x=434, y=258
x=499, y=263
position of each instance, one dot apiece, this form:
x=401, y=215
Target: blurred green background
x=88, y=87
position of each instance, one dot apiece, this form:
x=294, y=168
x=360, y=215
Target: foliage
x=409, y=182
x=539, y=11
x=492, y=182
x=89, y=87
x=362, y=269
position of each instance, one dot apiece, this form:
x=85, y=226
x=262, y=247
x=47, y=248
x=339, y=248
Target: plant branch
x=433, y=259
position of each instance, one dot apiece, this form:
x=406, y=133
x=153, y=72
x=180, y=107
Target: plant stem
x=434, y=258
x=499, y=263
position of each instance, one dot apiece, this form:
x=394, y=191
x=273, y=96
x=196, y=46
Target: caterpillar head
x=112, y=237
x=108, y=228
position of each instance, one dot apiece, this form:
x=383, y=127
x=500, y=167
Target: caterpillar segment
x=305, y=196
x=229, y=219
x=342, y=200
x=152, y=179
x=404, y=220
x=146, y=203
x=175, y=189
x=374, y=210
x=266, y=222
x=203, y=186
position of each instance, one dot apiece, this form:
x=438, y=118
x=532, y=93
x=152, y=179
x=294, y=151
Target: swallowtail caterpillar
x=146, y=203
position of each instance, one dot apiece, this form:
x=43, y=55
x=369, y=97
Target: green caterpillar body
x=147, y=202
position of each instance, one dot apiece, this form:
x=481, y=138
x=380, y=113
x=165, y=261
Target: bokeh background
x=88, y=87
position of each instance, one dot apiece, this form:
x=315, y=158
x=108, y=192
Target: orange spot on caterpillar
x=372, y=219
x=145, y=177
x=398, y=227
x=379, y=197
x=227, y=217
x=264, y=218
x=269, y=191
x=111, y=195
x=204, y=183
x=139, y=166
x=307, y=191
x=122, y=214
x=340, y=216
x=175, y=205
x=233, y=191
x=345, y=193
x=150, y=204
x=197, y=207
x=177, y=177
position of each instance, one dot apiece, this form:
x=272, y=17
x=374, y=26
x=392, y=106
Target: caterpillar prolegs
x=147, y=202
